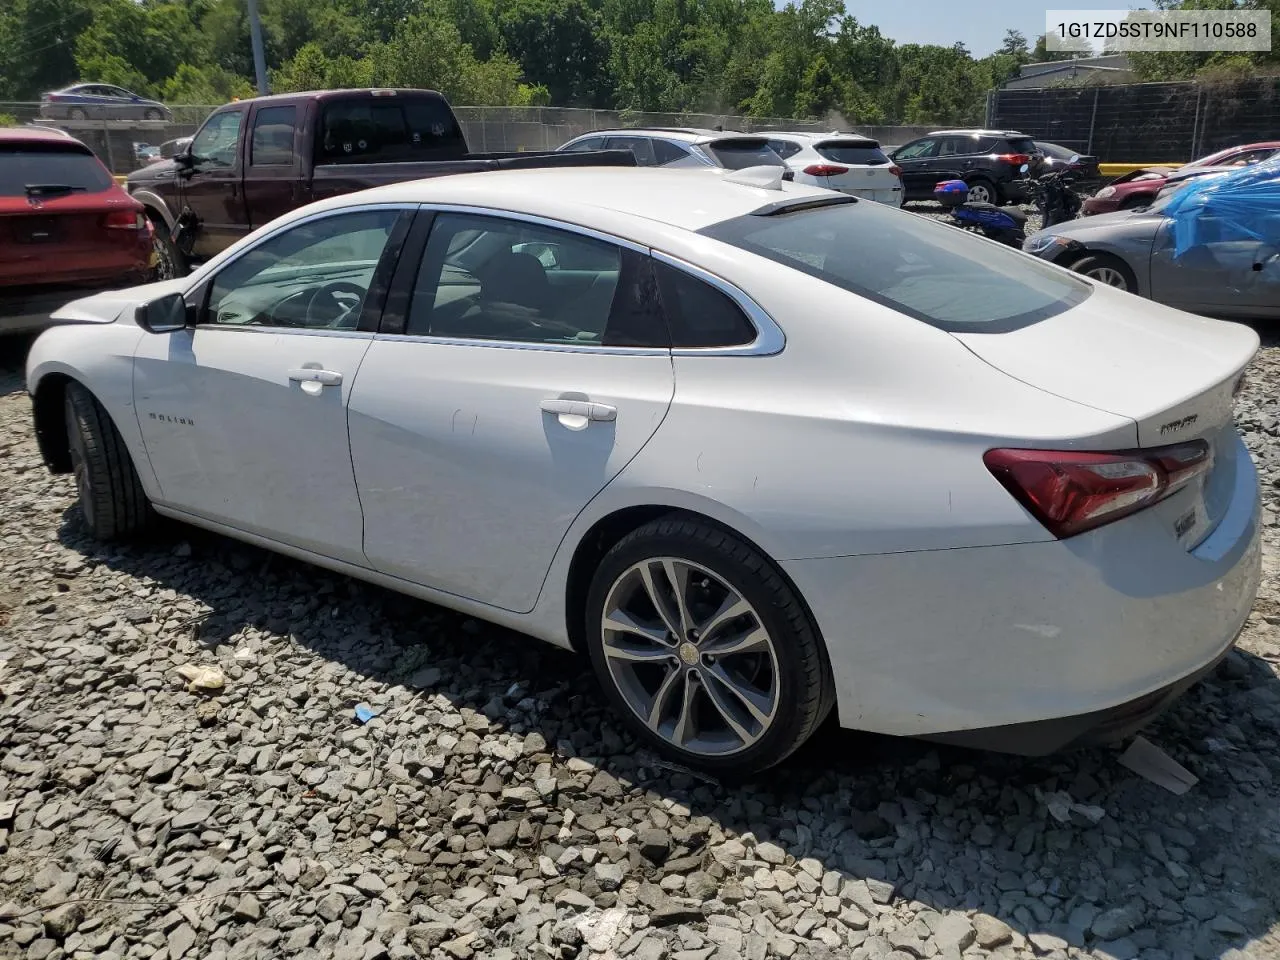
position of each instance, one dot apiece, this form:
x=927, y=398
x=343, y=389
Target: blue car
x=100, y=101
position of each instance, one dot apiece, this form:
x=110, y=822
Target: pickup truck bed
x=254, y=160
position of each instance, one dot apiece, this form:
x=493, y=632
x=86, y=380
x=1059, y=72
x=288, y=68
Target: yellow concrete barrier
x=1119, y=169
x=120, y=180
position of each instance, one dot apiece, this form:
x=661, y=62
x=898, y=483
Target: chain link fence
x=1143, y=122
x=121, y=144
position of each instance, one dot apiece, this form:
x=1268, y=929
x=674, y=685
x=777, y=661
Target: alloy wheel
x=980, y=193
x=690, y=656
x=1108, y=275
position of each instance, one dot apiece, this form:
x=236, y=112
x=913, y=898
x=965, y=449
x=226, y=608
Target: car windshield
x=927, y=270
x=24, y=165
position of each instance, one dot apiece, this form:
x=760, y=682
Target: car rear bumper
x=1081, y=632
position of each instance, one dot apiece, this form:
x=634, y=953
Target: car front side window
x=315, y=275
x=918, y=150
x=215, y=144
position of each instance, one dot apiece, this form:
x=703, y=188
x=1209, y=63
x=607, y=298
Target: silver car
x=1134, y=250
x=682, y=147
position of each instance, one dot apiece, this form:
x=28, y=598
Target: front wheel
x=704, y=649
x=170, y=263
x=111, y=497
x=982, y=192
x=77, y=114
x=154, y=114
x=1112, y=271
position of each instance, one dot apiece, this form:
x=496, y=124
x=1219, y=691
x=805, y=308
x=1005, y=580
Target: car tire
x=153, y=114
x=75, y=113
x=986, y=192
x=112, y=500
x=1108, y=270
x=782, y=668
x=171, y=263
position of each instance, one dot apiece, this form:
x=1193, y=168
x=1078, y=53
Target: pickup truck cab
x=254, y=160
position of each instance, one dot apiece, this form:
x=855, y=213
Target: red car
x=1139, y=188
x=66, y=227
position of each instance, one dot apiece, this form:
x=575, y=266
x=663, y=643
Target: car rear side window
x=866, y=153
x=785, y=148
x=698, y=314
x=738, y=153
x=664, y=151
x=382, y=130
x=924, y=269
x=272, y=143
x=39, y=165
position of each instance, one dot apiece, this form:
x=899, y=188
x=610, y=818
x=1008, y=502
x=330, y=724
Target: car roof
x=627, y=201
x=37, y=135
x=687, y=134
x=974, y=132
x=812, y=137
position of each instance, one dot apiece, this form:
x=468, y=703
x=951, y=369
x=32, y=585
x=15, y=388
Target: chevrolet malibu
x=758, y=450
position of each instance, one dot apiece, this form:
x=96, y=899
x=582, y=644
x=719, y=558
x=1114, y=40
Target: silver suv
x=682, y=147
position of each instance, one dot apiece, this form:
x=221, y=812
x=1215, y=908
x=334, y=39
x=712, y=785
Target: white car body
x=838, y=161
x=846, y=442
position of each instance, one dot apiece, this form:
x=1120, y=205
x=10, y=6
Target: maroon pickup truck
x=254, y=160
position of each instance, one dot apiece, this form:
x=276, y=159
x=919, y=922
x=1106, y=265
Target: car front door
x=211, y=184
x=1224, y=274
x=916, y=160
x=520, y=367
x=244, y=414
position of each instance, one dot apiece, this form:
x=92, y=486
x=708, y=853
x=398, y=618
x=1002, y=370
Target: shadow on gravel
x=1159, y=876
x=13, y=358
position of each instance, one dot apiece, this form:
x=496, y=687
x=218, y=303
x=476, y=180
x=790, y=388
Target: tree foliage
x=807, y=58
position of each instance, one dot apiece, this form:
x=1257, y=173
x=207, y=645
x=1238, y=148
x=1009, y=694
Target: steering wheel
x=343, y=294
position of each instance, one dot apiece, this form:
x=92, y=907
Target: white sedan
x=756, y=448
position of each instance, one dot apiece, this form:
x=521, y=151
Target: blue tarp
x=1241, y=205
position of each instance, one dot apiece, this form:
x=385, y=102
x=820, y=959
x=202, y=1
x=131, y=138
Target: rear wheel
x=1107, y=269
x=111, y=496
x=982, y=191
x=154, y=114
x=704, y=649
x=170, y=262
x=75, y=113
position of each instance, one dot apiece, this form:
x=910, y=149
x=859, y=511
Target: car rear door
x=273, y=164
x=496, y=401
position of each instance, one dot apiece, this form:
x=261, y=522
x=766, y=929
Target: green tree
x=38, y=45
x=561, y=45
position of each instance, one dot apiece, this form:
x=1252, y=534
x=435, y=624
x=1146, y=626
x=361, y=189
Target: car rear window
x=387, y=129
x=865, y=153
x=738, y=153
x=930, y=271
x=24, y=165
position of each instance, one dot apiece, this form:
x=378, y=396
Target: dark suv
x=989, y=161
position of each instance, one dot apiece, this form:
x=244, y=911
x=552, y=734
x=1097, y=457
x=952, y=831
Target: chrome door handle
x=326, y=378
x=580, y=408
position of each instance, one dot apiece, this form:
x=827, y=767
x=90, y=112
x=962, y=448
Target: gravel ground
x=492, y=809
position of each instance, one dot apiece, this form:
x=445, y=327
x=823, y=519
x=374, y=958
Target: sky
x=980, y=27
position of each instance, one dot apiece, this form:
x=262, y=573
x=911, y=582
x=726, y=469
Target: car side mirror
x=163, y=315
x=185, y=158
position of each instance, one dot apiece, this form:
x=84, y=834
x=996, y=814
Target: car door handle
x=580, y=408
x=326, y=378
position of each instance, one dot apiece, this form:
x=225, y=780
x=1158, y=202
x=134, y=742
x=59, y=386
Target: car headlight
x=1104, y=193
x=1041, y=243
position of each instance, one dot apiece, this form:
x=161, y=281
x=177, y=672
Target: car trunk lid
x=1173, y=374
x=860, y=168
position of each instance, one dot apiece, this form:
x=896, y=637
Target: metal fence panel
x=488, y=129
x=1145, y=122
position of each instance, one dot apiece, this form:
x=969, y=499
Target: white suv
x=846, y=162
x=682, y=147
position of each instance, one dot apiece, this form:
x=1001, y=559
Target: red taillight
x=1017, y=159
x=896, y=171
x=825, y=170
x=125, y=220
x=1072, y=492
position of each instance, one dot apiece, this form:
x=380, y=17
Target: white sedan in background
x=847, y=162
x=756, y=448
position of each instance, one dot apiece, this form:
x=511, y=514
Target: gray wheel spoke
x=732, y=608
x=678, y=577
x=684, y=732
x=660, y=601
x=671, y=682
x=759, y=705
x=726, y=710
x=755, y=640
x=623, y=622
x=635, y=652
